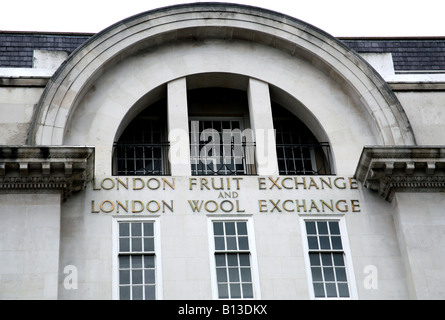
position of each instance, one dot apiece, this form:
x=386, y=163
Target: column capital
x=390, y=169
x=45, y=169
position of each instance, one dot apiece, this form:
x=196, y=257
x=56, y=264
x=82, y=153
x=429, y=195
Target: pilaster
x=413, y=179
x=178, y=131
x=260, y=112
x=34, y=181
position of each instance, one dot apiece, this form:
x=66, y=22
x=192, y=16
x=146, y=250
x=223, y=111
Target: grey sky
x=341, y=18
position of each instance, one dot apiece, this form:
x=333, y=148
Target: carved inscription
x=235, y=195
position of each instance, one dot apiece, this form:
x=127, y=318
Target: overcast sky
x=340, y=18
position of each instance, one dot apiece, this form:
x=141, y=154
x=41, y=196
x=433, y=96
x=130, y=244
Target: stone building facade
x=221, y=151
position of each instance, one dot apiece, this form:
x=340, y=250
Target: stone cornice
x=390, y=169
x=45, y=169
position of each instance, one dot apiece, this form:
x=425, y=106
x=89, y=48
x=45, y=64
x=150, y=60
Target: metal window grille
x=141, y=150
x=303, y=159
x=218, y=147
x=298, y=152
x=141, y=158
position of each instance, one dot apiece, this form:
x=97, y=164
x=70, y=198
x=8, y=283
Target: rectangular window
x=136, y=260
x=233, y=260
x=327, y=259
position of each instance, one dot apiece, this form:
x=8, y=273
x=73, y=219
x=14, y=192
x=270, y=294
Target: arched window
x=220, y=140
x=142, y=148
x=298, y=151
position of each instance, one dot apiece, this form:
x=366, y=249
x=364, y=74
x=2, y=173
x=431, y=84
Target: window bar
x=146, y=159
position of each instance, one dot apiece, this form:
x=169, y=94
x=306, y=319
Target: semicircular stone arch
x=120, y=69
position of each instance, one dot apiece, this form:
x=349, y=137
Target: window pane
x=340, y=273
x=219, y=243
x=235, y=291
x=338, y=259
x=136, y=277
x=137, y=292
x=233, y=275
x=221, y=274
x=324, y=243
x=343, y=290
x=124, y=277
x=136, y=229
x=223, y=291
x=148, y=229
x=319, y=290
x=331, y=290
x=312, y=242
x=232, y=260
x=328, y=274
x=149, y=244
x=124, y=262
x=149, y=262
x=230, y=228
x=242, y=228
x=244, y=259
x=314, y=259
x=310, y=227
x=316, y=274
x=220, y=259
x=124, y=292
x=336, y=243
x=243, y=243
x=150, y=292
x=124, y=244
x=246, y=275
x=124, y=229
x=247, y=291
x=322, y=227
x=231, y=243
x=218, y=228
x=326, y=259
x=149, y=276
x=333, y=227
x=136, y=244
x=136, y=262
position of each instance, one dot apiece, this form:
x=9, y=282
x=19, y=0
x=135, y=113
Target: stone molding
x=202, y=21
x=390, y=169
x=45, y=169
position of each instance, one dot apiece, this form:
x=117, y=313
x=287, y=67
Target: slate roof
x=16, y=48
x=409, y=54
